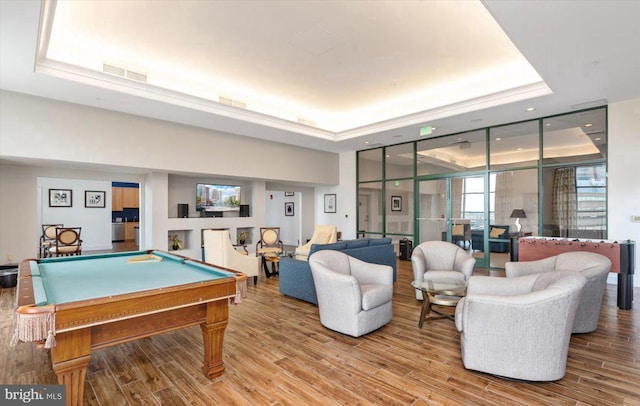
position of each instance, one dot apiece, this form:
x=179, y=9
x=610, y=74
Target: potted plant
x=243, y=236
x=176, y=243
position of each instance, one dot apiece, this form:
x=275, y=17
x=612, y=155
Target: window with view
x=591, y=196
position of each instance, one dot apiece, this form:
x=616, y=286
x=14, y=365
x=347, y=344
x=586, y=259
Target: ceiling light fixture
x=588, y=125
x=498, y=139
x=530, y=109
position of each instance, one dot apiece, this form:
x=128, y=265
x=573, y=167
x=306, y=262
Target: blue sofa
x=295, y=275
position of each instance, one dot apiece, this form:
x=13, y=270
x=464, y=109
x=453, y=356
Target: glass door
x=453, y=209
x=432, y=212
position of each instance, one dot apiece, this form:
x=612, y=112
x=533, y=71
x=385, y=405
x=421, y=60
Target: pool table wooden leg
x=213, y=335
x=70, y=358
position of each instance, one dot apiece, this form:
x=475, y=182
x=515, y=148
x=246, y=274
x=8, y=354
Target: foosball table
x=621, y=254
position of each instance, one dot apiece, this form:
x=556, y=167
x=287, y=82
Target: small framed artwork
x=396, y=203
x=288, y=193
x=94, y=198
x=288, y=209
x=60, y=198
x=330, y=203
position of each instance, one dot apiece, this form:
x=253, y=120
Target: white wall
x=95, y=222
x=20, y=199
x=182, y=189
x=43, y=129
x=624, y=183
x=41, y=138
x=346, y=200
x=275, y=215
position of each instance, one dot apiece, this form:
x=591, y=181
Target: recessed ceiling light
x=498, y=139
x=598, y=139
x=433, y=128
x=588, y=125
x=519, y=149
x=388, y=156
x=548, y=124
x=366, y=142
x=530, y=109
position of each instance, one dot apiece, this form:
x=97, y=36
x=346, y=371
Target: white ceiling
x=327, y=62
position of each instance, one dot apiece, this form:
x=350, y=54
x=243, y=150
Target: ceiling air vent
x=231, y=102
x=139, y=77
x=114, y=70
x=122, y=72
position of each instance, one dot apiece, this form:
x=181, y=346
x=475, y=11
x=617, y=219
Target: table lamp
x=518, y=214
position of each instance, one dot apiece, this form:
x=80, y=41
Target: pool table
x=84, y=303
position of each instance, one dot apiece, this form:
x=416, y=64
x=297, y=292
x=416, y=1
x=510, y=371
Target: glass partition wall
x=483, y=189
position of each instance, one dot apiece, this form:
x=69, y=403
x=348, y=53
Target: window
x=473, y=199
x=591, y=196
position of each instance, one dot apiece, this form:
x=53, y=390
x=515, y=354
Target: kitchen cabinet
x=116, y=199
x=129, y=230
x=124, y=198
x=130, y=199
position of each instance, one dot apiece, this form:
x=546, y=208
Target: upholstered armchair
x=519, y=328
x=322, y=234
x=437, y=260
x=218, y=250
x=594, y=267
x=354, y=297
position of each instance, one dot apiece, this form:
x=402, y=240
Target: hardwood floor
x=277, y=353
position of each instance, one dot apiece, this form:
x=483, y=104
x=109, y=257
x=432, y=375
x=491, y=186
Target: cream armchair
x=439, y=260
x=594, y=267
x=322, y=234
x=519, y=327
x=218, y=250
x=354, y=297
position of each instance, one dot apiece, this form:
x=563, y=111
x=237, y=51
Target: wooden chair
x=48, y=238
x=269, y=246
x=67, y=242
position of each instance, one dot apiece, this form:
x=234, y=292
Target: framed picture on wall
x=94, y=198
x=288, y=209
x=330, y=203
x=396, y=203
x=60, y=198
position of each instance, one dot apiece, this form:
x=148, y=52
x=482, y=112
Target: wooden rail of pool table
x=88, y=325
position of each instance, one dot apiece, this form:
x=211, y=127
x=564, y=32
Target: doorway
x=453, y=209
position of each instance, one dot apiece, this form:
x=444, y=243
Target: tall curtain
x=504, y=199
x=564, y=212
x=456, y=197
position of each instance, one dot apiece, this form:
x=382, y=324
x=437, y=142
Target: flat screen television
x=217, y=198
